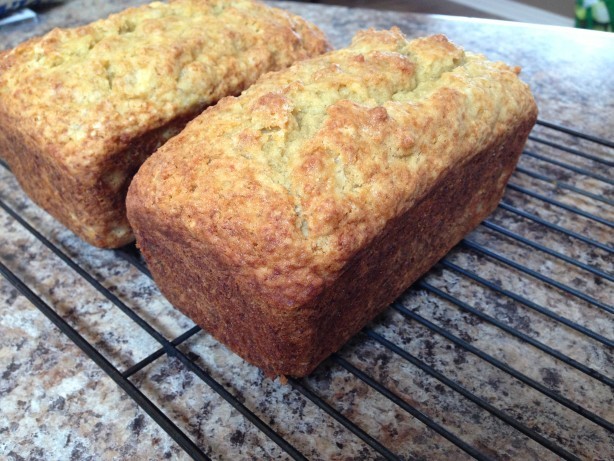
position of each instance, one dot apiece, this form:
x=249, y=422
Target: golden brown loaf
x=81, y=109
x=284, y=220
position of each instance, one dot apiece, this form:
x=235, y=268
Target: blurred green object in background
x=595, y=14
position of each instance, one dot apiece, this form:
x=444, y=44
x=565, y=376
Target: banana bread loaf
x=284, y=220
x=81, y=109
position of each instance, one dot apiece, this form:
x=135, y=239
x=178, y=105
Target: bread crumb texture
x=291, y=179
x=87, y=91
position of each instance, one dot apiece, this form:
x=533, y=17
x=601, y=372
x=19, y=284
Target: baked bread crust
x=81, y=109
x=284, y=220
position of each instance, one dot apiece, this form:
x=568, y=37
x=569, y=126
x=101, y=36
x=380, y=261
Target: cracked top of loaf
x=288, y=181
x=87, y=91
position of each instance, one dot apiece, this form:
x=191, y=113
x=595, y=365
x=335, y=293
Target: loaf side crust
x=91, y=203
x=82, y=108
x=293, y=342
x=283, y=220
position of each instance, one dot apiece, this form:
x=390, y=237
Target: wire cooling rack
x=525, y=296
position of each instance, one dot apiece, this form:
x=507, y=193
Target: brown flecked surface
x=567, y=71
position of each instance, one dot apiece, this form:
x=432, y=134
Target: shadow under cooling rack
x=513, y=325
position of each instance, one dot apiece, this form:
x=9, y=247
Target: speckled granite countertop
x=55, y=403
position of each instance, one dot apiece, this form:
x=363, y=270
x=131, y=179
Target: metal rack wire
x=531, y=190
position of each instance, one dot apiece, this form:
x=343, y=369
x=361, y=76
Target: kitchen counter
x=55, y=403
